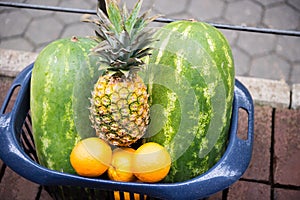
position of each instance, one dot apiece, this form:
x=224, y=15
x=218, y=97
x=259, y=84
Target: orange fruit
x=121, y=165
x=117, y=196
x=151, y=162
x=91, y=157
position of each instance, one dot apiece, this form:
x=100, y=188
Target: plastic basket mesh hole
x=242, y=127
x=9, y=103
x=26, y=139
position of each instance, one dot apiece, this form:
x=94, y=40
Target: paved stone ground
x=256, y=55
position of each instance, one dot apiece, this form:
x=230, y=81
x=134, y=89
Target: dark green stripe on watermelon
x=190, y=78
x=53, y=103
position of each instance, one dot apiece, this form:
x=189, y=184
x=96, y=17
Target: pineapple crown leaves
x=122, y=39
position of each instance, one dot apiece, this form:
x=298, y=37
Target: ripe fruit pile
x=94, y=88
x=119, y=107
x=91, y=157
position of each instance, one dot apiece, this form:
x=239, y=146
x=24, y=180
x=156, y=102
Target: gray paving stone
x=289, y=47
x=43, y=30
x=12, y=62
x=241, y=62
x=149, y=4
x=40, y=13
x=76, y=4
x=295, y=73
x=206, y=10
x=256, y=44
x=68, y=18
x=78, y=29
x=18, y=1
x=231, y=0
x=39, y=2
x=268, y=2
x=281, y=16
x=295, y=96
x=181, y=16
x=230, y=35
x=267, y=92
x=244, y=13
x=13, y=23
x=166, y=8
x=294, y=3
x=17, y=43
x=40, y=47
x=270, y=67
x=92, y=3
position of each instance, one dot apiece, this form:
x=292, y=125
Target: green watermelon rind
x=201, y=55
x=52, y=100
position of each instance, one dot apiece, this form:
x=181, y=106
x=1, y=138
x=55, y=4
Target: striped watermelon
x=190, y=78
x=60, y=86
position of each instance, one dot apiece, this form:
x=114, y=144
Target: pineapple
x=119, y=109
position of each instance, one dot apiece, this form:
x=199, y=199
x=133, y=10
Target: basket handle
x=8, y=148
x=18, y=82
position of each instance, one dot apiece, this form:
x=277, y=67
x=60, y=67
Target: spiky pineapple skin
x=119, y=104
x=120, y=109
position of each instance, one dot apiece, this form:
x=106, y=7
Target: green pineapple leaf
x=102, y=21
x=114, y=14
x=125, y=13
x=131, y=21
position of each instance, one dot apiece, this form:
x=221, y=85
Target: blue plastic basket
x=17, y=151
